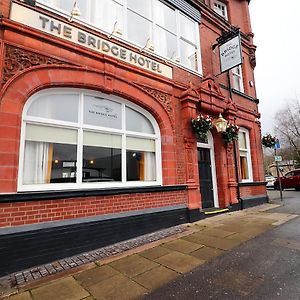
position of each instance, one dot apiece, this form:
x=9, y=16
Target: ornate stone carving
x=209, y=84
x=17, y=60
x=161, y=97
x=252, y=58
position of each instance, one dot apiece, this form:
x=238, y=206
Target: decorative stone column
x=189, y=100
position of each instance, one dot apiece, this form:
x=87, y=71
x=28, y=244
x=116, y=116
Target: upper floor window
x=82, y=139
x=245, y=156
x=148, y=24
x=238, y=79
x=221, y=9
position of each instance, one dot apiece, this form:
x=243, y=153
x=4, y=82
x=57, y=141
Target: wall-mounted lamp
x=116, y=30
x=56, y=161
x=220, y=124
x=148, y=46
x=75, y=12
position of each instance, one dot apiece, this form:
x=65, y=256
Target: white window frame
x=247, y=152
x=237, y=72
x=80, y=127
x=221, y=9
x=124, y=36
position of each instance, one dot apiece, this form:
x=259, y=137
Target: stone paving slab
x=207, y=253
x=218, y=232
x=156, y=277
x=180, y=262
x=155, y=252
x=133, y=265
x=95, y=275
x=182, y=246
x=63, y=289
x=117, y=287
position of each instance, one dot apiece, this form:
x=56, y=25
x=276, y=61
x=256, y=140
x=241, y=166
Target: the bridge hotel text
x=68, y=32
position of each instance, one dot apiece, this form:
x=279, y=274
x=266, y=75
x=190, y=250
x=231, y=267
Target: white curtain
x=150, y=166
x=36, y=162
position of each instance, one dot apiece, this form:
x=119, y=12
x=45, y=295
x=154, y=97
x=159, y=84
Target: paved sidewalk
x=142, y=270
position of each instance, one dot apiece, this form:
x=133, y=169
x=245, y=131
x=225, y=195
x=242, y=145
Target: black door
x=205, y=177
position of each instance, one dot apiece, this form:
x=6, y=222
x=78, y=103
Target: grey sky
x=276, y=25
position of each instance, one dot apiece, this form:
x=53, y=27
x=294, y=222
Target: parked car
x=270, y=180
x=289, y=180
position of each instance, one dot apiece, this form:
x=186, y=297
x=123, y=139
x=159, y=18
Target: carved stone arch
x=24, y=84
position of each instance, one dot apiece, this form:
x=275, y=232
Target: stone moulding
x=163, y=98
x=17, y=60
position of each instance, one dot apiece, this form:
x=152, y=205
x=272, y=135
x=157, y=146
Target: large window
x=149, y=24
x=245, y=156
x=81, y=139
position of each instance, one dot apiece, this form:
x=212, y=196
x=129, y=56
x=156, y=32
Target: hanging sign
x=231, y=53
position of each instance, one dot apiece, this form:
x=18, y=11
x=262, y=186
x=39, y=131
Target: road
x=266, y=267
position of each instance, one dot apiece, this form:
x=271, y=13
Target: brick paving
x=29, y=275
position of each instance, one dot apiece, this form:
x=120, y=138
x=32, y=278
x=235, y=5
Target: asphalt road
x=266, y=267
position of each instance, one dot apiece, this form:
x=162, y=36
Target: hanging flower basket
x=231, y=133
x=201, y=125
x=268, y=141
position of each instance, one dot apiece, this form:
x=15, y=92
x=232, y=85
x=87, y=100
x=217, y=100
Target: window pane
x=166, y=43
x=102, y=140
x=187, y=29
x=50, y=134
x=188, y=55
x=135, y=121
x=140, y=166
x=49, y=163
x=244, y=167
x=165, y=16
x=140, y=144
x=101, y=164
x=106, y=14
x=242, y=140
x=141, y=7
x=58, y=107
x=102, y=112
x=139, y=29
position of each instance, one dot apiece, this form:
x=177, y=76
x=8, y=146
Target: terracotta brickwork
x=32, y=61
x=14, y=214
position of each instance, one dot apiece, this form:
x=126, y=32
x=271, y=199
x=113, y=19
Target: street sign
x=277, y=145
x=278, y=158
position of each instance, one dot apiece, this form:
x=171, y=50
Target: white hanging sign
x=231, y=54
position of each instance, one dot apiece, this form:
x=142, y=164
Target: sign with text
x=278, y=158
x=230, y=54
x=73, y=34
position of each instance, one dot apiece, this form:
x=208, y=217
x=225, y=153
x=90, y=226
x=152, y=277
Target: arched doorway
x=207, y=172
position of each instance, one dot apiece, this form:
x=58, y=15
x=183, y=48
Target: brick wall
x=32, y=212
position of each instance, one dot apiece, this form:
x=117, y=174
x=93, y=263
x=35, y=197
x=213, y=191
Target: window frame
x=246, y=151
x=239, y=76
x=219, y=10
x=153, y=36
x=80, y=127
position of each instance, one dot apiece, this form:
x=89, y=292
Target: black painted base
x=22, y=250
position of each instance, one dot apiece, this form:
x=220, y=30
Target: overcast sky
x=276, y=26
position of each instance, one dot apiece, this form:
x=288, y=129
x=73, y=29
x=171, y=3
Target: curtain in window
x=37, y=162
x=149, y=166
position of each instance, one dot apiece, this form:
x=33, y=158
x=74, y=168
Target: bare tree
x=287, y=128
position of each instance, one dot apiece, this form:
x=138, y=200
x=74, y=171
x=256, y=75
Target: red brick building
x=96, y=142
